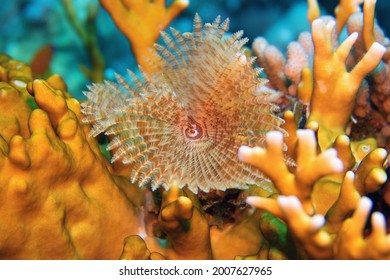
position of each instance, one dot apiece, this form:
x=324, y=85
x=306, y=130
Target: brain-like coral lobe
x=186, y=120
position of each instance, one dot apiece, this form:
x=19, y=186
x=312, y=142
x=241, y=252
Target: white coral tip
x=382, y=153
x=274, y=137
x=334, y=162
x=317, y=221
x=330, y=25
x=244, y=152
x=253, y=201
x=377, y=48
x=378, y=220
x=289, y=202
x=365, y=204
x=317, y=24
x=353, y=36
x=350, y=175
x=305, y=134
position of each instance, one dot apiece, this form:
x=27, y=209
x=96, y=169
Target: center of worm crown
x=193, y=130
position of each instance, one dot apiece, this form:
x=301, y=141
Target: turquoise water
x=27, y=26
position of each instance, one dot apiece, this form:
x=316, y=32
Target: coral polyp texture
x=185, y=121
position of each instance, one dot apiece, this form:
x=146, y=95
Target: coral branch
x=344, y=10
x=291, y=127
x=301, y=183
x=141, y=22
x=344, y=205
x=273, y=62
x=368, y=23
x=187, y=231
x=313, y=10
x=305, y=86
x=350, y=241
x=334, y=88
x=306, y=229
x=370, y=175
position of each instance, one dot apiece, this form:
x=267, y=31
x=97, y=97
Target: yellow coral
x=299, y=184
x=61, y=201
x=368, y=24
x=317, y=199
x=344, y=10
x=333, y=234
x=333, y=82
x=313, y=10
x=141, y=22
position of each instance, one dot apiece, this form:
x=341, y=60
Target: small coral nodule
x=186, y=120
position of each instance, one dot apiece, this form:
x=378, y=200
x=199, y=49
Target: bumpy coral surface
x=186, y=120
x=58, y=199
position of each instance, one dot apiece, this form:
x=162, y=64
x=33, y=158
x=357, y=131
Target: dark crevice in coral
x=379, y=205
x=221, y=207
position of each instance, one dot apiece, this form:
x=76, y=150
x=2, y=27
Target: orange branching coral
x=171, y=128
x=333, y=81
x=141, y=22
x=313, y=11
x=323, y=233
x=187, y=231
x=61, y=201
x=318, y=69
x=332, y=174
x=344, y=10
x=299, y=184
x=376, y=91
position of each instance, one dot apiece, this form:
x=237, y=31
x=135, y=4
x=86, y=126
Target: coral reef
x=319, y=223
x=64, y=200
x=294, y=75
x=315, y=184
x=317, y=197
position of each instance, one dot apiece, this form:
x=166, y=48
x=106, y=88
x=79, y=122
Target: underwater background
x=31, y=26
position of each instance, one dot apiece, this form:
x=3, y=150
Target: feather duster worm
x=186, y=120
